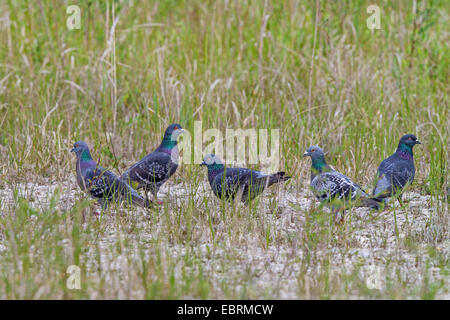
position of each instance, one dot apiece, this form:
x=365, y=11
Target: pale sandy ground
x=371, y=244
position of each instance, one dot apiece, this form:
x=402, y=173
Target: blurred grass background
x=135, y=67
x=312, y=69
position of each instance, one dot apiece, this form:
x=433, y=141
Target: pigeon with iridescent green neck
x=397, y=171
x=228, y=183
x=157, y=167
x=100, y=183
x=334, y=188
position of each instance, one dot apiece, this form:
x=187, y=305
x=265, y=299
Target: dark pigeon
x=334, y=188
x=102, y=184
x=397, y=171
x=157, y=167
x=230, y=183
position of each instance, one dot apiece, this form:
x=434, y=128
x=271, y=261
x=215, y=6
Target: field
x=314, y=70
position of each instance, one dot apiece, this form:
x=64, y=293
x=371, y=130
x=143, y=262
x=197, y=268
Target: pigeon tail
x=380, y=198
x=278, y=177
x=372, y=203
x=129, y=195
x=141, y=202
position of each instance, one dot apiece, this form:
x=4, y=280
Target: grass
x=311, y=69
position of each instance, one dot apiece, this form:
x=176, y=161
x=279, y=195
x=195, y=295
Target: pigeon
x=332, y=187
x=152, y=171
x=100, y=183
x=229, y=183
x=397, y=171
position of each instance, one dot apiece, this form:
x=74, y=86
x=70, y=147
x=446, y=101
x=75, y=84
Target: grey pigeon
x=228, y=183
x=334, y=188
x=157, y=167
x=100, y=183
x=395, y=172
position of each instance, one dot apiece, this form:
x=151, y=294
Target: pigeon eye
x=409, y=138
x=313, y=150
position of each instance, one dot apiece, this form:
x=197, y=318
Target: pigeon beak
x=418, y=142
x=177, y=133
x=73, y=150
x=203, y=163
x=306, y=154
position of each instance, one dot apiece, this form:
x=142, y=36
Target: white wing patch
x=330, y=185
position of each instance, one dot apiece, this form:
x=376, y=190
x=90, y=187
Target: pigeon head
x=81, y=150
x=407, y=142
x=314, y=152
x=212, y=162
x=173, y=131
x=170, y=136
x=317, y=157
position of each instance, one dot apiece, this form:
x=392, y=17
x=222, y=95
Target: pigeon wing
x=153, y=168
x=393, y=174
x=100, y=183
x=227, y=183
x=334, y=185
